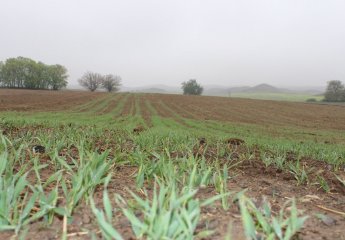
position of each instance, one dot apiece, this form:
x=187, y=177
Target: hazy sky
x=230, y=42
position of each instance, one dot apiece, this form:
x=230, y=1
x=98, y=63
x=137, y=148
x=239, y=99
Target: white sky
x=230, y=42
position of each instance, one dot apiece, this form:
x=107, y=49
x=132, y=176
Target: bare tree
x=111, y=83
x=91, y=80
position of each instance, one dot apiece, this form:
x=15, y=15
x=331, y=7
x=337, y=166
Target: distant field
x=98, y=146
x=294, y=97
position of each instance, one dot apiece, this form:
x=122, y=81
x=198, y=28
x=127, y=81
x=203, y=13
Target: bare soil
x=43, y=100
x=129, y=106
x=261, y=112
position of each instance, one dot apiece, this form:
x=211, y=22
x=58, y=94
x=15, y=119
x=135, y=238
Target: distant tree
x=192, y=88
x=19, y=72
x=335, y=91
x=311, y=100
x=57, y=76
x=111, y=83
x=91, y=81
x=23, y=72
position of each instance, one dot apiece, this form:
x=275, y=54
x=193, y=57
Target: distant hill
x=220, y=90
x=261, y=88
x=239, y=89
x=153, y=90
x=216, y=91
x=157, y=88
x=265, y=88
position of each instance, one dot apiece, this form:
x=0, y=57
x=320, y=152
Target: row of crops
x=132, y=163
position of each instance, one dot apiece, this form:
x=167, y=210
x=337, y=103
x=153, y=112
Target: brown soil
x=43, y=100
x=129, y=106
x=261, y=112
x=157, y=105
x=113, y=104
x=138, y=129
x=90, y=106
x=145, y=112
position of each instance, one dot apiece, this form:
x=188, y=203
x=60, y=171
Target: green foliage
x=259, y=222
x=299, y=172
x=105, y=218
x=323, y=184
x=220, y=183
x=192, y=88
x=17, y=196
x=90, y=172
x=311, y=100
x=335, y=91
x=23, y=72
x=57, y=76
x=171, y=214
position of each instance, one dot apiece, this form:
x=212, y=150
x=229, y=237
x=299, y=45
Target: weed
x=260, y=223
x=171, y=214
x=323, y=184
x=299, y=172
x=89, y=174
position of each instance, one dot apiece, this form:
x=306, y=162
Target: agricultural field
x=79, y=165
x=293, y=97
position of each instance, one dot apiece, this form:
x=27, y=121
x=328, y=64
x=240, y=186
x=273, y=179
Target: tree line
x=24, y=72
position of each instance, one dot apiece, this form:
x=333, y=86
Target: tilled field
x=148, y=136
x=261, y=112
x=43, y=100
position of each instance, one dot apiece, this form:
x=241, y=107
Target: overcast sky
x=230, y=42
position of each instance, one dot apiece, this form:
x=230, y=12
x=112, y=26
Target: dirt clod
x=235, y=141
x=38, y=149
x=202, y=141
x=138, y=129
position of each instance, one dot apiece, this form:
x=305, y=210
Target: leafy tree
x=23, y=72
x=335, y=91
x=111, y=83
x=192, y=88
x=91, y=81
x=30, y=72
x=57, y=76
x=16, y=72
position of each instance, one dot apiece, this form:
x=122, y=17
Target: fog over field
x=287, y=44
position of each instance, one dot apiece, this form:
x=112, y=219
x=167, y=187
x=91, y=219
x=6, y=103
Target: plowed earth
x=275, y=185
x=261, y=112
x=43, y=100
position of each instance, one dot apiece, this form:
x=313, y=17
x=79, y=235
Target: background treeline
x=24, y=72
